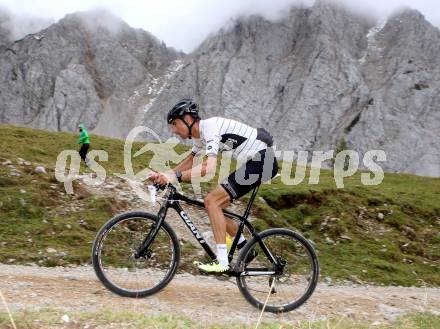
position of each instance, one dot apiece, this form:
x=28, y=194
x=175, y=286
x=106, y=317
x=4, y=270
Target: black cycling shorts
x=262, y=167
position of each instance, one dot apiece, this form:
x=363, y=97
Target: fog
x=184, y=24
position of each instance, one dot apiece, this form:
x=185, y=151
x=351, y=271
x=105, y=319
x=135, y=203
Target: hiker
x=84, y=141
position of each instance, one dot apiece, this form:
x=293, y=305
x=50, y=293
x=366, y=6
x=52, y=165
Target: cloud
x=18, y=25
x=185, y=24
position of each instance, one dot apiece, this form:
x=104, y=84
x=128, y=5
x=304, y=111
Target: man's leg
x=232, y=228
x=86, y=149
x=81, y=152
x=231, y=225
x=214, y=202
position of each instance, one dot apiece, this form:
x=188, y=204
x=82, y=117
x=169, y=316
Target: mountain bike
x=136, y=254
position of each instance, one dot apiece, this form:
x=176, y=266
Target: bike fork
x=143, y=250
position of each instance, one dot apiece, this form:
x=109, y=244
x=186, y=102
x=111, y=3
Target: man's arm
x=207, y=166
x=185, y=164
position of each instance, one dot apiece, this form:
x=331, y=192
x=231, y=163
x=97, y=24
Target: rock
x=22, y=191
x=409, y=231
x=380, y=216
x=328, y=280
x=51, y=250
x=329, y=240
x=22, y=202
x=7, y=162
x=345, y=237
x=40, y=170
x=65, y=318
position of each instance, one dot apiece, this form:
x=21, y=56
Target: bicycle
x=136, y=254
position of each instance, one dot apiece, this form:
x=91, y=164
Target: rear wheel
x=285, y=285
x=114, y=261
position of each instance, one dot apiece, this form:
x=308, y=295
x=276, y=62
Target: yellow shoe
x=213, y=267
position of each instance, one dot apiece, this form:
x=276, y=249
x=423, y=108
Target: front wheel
x=285, y=284
x=115, y=263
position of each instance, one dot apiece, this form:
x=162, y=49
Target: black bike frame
x=172, y=201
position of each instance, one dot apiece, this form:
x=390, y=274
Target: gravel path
x=204, y=299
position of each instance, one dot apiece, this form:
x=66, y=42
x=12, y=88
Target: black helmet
x=184, y=106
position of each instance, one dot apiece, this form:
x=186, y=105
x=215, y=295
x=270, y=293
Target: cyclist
x=215, y=135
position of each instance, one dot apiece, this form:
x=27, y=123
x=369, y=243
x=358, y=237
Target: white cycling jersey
x=220, y=134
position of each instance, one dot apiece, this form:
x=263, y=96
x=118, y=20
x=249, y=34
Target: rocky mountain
x=89, y=67
x=323, y=77
x=320, y=78
x=401, y=69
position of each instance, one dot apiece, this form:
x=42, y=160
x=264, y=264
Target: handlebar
x=160, y=187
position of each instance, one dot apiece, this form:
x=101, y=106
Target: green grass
x=352, y=242
x=36, y=220
x=50, y=317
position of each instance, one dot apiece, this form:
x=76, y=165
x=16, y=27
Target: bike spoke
x=292, y=271
x=117, y=260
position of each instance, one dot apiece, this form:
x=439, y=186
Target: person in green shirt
x=84, y=141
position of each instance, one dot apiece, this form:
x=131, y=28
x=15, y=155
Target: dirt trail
x=204, y=299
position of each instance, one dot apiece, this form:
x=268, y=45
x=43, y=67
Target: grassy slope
x=402, y=248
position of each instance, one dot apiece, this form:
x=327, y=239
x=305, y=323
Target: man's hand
x=163, y=178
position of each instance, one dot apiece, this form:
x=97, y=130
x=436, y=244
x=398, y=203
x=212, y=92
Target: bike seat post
x=251, y=201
